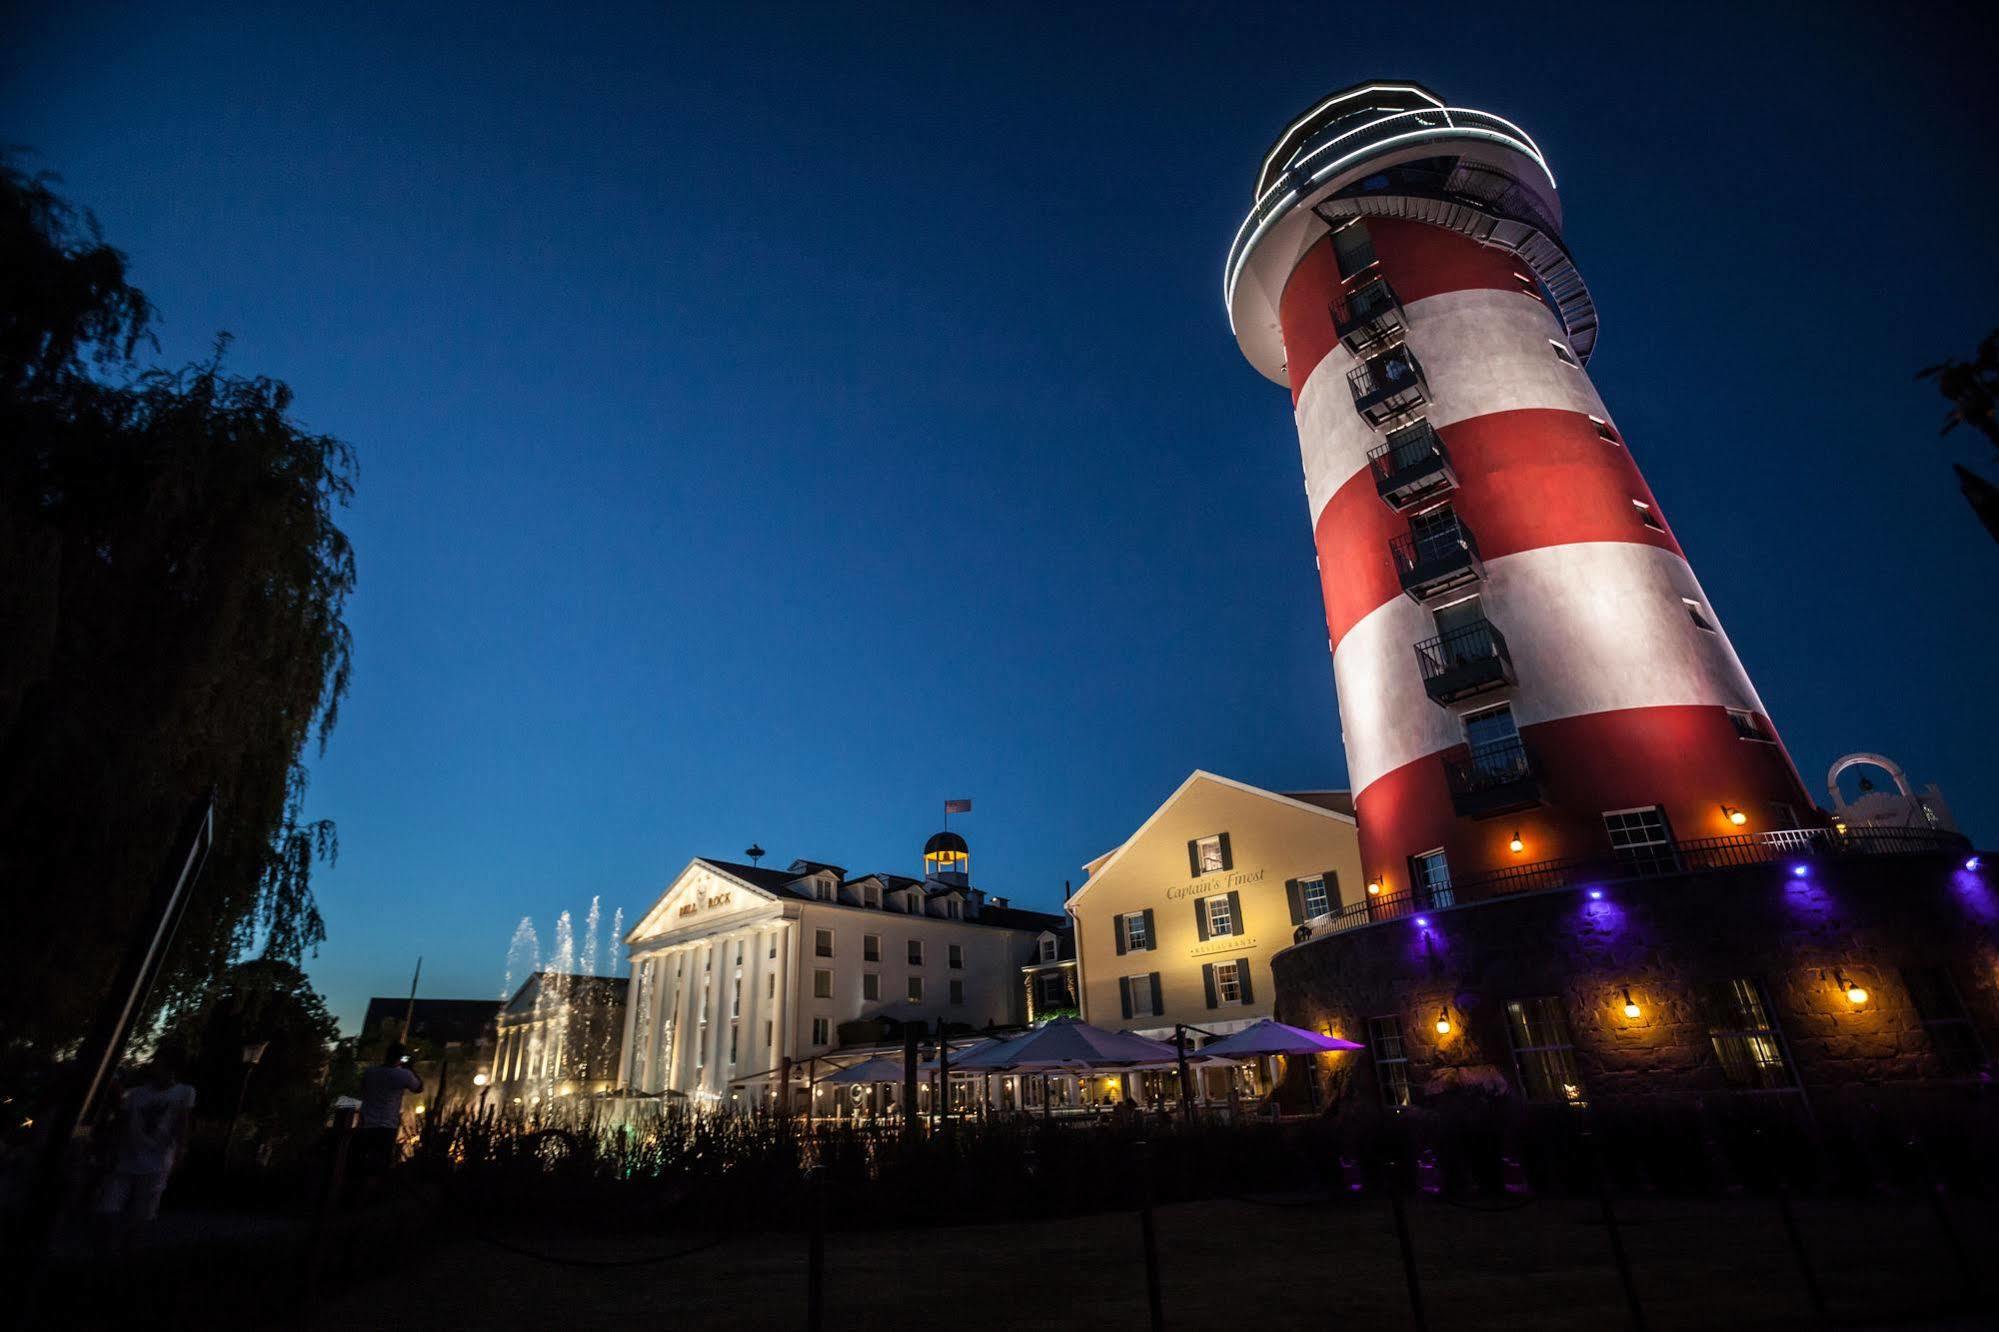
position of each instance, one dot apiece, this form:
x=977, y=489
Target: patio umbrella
x=877, y=1069
x=1067, y=1044
x=1268, y=1037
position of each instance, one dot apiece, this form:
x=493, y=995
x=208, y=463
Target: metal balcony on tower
x=1412, y=468
x=1491, y=779
x=1387, y=386
x=1468, y=661
x=1436, y=555
x=1368, y=317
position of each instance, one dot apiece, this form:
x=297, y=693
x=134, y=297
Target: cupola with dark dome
x=947, y=859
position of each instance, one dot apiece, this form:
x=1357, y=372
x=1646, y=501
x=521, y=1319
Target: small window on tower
x=1563, y=354
x=1697, y=614
x=1604, y=431
x=1646, y=516
x=1748, y=728
x=1353, y=248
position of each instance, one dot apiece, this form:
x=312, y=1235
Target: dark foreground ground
x=1229, y=1264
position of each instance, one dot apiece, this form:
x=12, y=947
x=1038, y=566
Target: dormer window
x=822, y=889
x=1048, y=948
x=871, y=896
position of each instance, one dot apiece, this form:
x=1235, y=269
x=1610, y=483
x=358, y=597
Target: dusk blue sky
x=773, y=422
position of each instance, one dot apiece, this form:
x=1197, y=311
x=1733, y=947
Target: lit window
x=1315, y=896
x=871, y=948
x=1603, y=430
x=871, y=985
x=1563, y=354
x=1543, y=1051
x=1208, y=857
x=957, y=992
x=1646, y=516
x=1696, y=614
x=1221, y=915
x=1641, y=839
x=1391, y=1064
x=1136, y=935
x=916, y=989
x=1228, y=985
x=822, y=943
x=822, y=1030
x=956, y=956
x=916, y=952
x=822, y=984
x=1745, y=1037
x=1748, y=728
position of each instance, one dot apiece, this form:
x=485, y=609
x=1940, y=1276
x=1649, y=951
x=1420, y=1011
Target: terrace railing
x=1796, y=846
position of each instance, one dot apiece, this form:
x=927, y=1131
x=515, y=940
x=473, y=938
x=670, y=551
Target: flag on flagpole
x=957, y=806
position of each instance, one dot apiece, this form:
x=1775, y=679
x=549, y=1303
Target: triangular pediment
x=700, y=894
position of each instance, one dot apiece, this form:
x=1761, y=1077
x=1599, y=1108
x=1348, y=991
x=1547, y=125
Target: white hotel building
x=738, y=968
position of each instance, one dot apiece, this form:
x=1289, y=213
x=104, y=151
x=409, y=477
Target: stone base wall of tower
x=1889, y=925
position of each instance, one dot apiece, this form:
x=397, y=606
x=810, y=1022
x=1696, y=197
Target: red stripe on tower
x=1519, y=644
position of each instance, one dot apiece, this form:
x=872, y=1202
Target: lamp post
x=483, y=1083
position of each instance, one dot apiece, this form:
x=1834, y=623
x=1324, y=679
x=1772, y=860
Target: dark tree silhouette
x=1973, y=390
x=172, y=584
x=265, y=1001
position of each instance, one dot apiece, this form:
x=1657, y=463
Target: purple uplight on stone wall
x=1423, y=922
x=1596, y=894
x=1972, y=863
x=1801, y=869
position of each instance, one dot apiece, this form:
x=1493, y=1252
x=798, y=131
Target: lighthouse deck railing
x=1798, y=847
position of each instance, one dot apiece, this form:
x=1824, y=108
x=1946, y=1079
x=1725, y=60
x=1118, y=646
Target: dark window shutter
x=1194, y=858
x=1228, y=861
x=1124, y=994
x=1151, y=932
x=1332, y=878
x=1236, y=921
x=1297, y=901
x=1158, y=1001
x=1208, y=981
x=1201, y=916
x=1117, y=923
x=1242, y=980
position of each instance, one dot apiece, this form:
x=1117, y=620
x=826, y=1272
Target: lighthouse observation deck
x=1396, y=149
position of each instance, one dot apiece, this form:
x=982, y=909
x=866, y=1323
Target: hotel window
x=1219, y=913
x=1543, y=1051
x=1048, y=950
x=822, y=984
x=769, y=1033
x=1209, y=855
x=822, y=943
x=916, y=952
x=1564, y=355
x=1697, y=615
x=822, y=890
x=1227, y=982
x=1604, y=431
x=1315, y=897
x=1945, y=1020
x=736, y=998
x=708, y=959
x=1641, y=839
x=1646, y=516
x=871, y=948
x=1430, y=879
x=1139, y=995
x=740, y=945
x=954, y=909
x=871, y=985
x=1391, y=1064
x=872, y=895
x=773, y=944
x=1748, y=728
x=1134, y=931
x=1745, y=1036
x=770, y=986
x=732, y=1042
x=916, y=989
x=956, y=956
x=822, y=1030
x=957, y=992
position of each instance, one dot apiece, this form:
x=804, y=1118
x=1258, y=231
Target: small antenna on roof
x=755, y=853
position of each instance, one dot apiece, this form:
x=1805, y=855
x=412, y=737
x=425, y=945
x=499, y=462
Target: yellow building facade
x=1178, y=924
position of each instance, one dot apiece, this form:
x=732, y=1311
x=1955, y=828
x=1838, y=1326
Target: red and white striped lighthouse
x=1527, y=668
